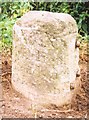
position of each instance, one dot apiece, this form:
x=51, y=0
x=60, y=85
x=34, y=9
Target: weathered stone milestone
x=45, y=57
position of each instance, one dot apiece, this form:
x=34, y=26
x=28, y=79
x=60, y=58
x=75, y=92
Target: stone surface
x=44, y=58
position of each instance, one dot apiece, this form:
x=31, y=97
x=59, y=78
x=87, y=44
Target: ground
x=15, y=105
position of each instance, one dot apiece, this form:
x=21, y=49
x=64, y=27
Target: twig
x=3, y=74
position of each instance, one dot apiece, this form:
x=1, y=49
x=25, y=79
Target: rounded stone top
x=37, y=19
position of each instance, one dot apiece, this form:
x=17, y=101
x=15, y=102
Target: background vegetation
x=11, y=11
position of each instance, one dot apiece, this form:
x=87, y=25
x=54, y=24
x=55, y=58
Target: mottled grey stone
x=44, y=58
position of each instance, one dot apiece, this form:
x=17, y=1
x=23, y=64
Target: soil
x=15, y=105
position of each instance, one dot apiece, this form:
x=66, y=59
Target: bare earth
x=15, y=105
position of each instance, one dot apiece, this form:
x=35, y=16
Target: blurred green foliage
x=11, y=11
